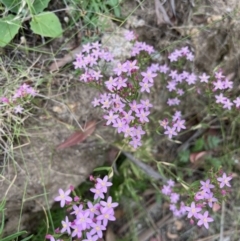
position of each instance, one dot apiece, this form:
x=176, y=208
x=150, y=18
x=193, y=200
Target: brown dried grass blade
x=78, y=136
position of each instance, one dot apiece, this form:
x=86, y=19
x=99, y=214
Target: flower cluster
x=16, y=100
x=90, y=219
x=222, y=84
x=204, y=200
x=123, y=108
x=175, y=126
x=174, y=199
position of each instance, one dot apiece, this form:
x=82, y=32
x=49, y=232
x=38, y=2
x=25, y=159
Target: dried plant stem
x=222, y=222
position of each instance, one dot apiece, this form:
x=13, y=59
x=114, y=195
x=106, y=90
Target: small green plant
x=17, y=11
x=12, y=236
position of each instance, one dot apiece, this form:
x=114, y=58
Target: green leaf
x=2, y=224
x=8, y=29
x=12, y=5
x=102, y=169
x=13, y=236
x=198, y=145
x=213, y=141
x=46, y=24
x=39, y=5
x=184, y=156
x=27, y=238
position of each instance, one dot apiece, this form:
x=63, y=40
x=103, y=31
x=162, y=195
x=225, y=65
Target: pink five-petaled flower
x=135, y=143
x=193, y=210
x=110, y=117
x=103, y=184
x=97, y=228
x=66, y=226
x=106, y=215
x=148, y=76
x=204, y=219
x=93, y=209
x=64, y=196
x=170, y=132
x=166, y=190
x=83, y=220
x=145, y=86
x=18, y=109
x=224, y=180
x=142, y=115
x=108, y=205
x=98, y=193
x=237, y=102
x=211, y=199
x=179, y=124
x=206, y=186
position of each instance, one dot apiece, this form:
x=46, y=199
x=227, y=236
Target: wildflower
x=64, y=197
x=103, y=184
x=204, y=219
x=193, y=210
x=106, y=215
x=109, y=204
x=97, y=228
x=18, y=109
x=145, y=86
x=179, y=125
x=237, y=102
x=129, y=35
x=204, y=78
x=83, y=219
x=224, y=180
x=110, y=117
x=166, y=190
x=174, y=197
x=98, y=193
x=148, y=76
x=170, y=132
x=66, y=226
x=206, y=186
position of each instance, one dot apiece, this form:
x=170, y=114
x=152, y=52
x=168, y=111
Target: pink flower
x=206, y=186
x=106, y=215
x=97, y=228
x=66, y=226
x=170, y=132
x=103, y=184
x=204, y=220
x=109, y=204
x=110, y=117
x=64, y=197
x=193, y=210
x=18, y=109
x=224, y=180
x=148, y=76
x=98, y=193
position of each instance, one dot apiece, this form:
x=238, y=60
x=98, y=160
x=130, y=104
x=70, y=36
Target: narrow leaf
x=13, y=236
x=78, y=136
x=102, y=169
